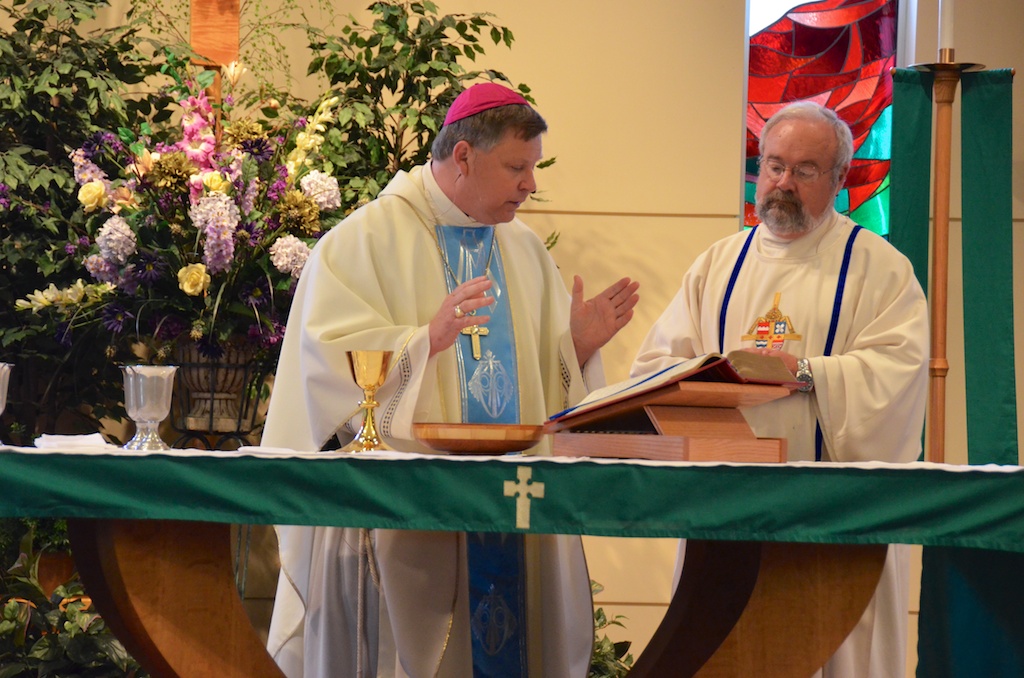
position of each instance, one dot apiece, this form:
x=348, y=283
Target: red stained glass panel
x=838, y=53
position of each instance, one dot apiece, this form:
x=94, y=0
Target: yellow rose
x=93, y=195
x=193, y=279
x=214, y=182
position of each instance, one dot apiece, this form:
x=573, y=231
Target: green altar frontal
x=930, y=504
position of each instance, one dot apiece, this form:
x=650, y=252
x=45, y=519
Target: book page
x=761, y=368
x=637, y=385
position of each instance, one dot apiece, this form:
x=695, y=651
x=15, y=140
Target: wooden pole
x=946, y=80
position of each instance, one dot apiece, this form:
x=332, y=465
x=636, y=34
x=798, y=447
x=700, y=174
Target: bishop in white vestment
x=439, y=271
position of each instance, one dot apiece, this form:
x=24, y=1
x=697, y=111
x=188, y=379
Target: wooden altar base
x=772, y=610
x=765, y=609
x=167, y=590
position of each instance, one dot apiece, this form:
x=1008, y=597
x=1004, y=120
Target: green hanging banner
x=972, y=602
x=911, y=167
x=987, y=124
x=972, y=613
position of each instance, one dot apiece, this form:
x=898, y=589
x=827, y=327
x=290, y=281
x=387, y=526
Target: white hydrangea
x=289, y=254
x=116, y=241
x=322, y=189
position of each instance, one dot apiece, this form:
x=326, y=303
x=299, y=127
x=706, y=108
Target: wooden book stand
x=682, y=421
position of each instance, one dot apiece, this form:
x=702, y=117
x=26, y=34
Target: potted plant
x=50, y=628
x=609, y=659
x=395, y=80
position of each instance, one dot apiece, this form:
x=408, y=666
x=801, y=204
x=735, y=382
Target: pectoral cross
x=475, y=332
x=522, y=488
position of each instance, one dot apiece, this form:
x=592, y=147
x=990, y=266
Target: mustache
x=778, y=198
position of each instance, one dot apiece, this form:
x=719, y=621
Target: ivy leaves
x=396, y=79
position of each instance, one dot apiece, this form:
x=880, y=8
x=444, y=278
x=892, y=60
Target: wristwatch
x=804, y=376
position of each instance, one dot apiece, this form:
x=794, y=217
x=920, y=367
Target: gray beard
x=784, y=215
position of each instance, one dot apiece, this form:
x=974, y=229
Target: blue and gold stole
x=486, y=358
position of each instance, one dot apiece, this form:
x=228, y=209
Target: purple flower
x=278, y=188
x=217, y=216
x=170, y=327
x=92, y=146
x=259, y=149
x=249, y=193
x=63, y=335
x=210, y=348
x=86, y=170
x=129, y=282
x=267, y=337
x=255, y=294
x=116, y=240
x=101, y=269
x=101, y=141
x=249, y=234
x=165, y=203
x=150, y=268
x=5, y=200
x=115, y=316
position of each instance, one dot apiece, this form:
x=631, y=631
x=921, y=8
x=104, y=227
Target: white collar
x=445, y=211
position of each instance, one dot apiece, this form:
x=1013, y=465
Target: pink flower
x=199, y=150
x=197, y=118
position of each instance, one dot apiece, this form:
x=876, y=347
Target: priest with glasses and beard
x=843, y=310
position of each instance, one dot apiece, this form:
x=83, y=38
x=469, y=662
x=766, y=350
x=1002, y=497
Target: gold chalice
x=369, y=369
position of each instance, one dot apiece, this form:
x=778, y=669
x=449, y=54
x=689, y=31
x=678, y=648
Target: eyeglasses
x=805, y=173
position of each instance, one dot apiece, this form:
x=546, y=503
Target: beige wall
x=645, y=105
x=646, y=121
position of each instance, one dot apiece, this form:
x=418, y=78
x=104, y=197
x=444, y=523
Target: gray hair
x=485, y=129
x=812, y=112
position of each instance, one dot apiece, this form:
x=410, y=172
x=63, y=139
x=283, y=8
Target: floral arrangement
x=195, y=232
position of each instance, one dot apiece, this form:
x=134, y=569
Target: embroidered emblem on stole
x=772, y=329
x=491, y=385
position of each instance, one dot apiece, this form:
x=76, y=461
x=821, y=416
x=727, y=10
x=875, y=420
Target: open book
x=736, y=367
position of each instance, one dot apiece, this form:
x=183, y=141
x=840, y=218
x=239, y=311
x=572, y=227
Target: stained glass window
x=837, y=53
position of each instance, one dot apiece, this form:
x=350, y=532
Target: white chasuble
x=870, y=388
x=362, y=603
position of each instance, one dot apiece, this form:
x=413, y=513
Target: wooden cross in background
x=215, y=26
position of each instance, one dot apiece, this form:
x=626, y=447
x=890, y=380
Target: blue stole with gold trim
x=490, y=394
